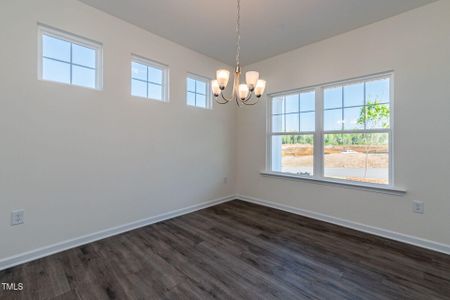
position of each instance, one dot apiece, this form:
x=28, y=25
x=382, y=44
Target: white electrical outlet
x=17, y=216
x=418, y=207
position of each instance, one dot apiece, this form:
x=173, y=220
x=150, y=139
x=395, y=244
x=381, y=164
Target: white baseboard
x=64, y=245
x=82, y=240
x=408, y=239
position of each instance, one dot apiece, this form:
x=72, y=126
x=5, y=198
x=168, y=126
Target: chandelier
x=248, y=93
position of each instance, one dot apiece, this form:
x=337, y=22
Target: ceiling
x=268, y=27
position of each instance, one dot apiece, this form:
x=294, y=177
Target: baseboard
x=408, y=239
x=82, y=240
x=65, y=245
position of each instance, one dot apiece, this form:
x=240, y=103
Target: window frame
x=73, y=39
x=208, y=95
x=152, y=64
x=319, y=133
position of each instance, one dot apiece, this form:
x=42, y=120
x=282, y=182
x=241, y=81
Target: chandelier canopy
x=247, y=93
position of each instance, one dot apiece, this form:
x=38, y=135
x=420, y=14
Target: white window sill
x=386, y=189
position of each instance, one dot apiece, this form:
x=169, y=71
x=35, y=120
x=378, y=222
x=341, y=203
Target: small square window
x=198, y=92
x=149, y=79
x=69, y=59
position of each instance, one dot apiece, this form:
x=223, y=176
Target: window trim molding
x=374, y=187
x=157, y=65
x=207, y=80
x=44, y=29
x=318, y=166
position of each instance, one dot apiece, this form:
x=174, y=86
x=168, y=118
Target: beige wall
x=416, y=45
x=80, y=160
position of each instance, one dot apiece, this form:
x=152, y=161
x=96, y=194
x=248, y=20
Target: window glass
x=307, y=122
x=138, y=88
x=83, y=76
x=292, y=122
x=55, y=71
x=357, y=157
x=138, y=71
x=83, y=56
x=292, y=103
x=55, y=48
x=378, y=91
x=293, y=154
x=307, y=101
x=148, y=79
x=197, y=92
x=355, y=132
x=332, y=97
x=333, y=119
x=354, y=95
x=64, y=59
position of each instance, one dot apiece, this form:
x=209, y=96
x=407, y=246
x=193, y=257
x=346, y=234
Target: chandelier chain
x=238, y=32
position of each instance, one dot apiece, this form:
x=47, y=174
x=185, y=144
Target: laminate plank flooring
x=236, y=250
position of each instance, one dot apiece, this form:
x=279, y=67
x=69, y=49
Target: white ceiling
x=269, y=27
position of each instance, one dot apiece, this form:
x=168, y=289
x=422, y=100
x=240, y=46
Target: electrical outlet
x=418, y=207
x=17, y=216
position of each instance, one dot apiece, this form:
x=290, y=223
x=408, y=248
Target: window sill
x=353, y=185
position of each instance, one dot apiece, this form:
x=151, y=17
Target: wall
x=416, y=45
x=79, y=160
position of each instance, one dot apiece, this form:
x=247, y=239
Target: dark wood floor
x=236, y=250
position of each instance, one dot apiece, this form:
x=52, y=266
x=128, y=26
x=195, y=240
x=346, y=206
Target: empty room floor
x=236, y=250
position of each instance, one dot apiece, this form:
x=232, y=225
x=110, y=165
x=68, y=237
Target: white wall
x=416, y=45
x=80, y=160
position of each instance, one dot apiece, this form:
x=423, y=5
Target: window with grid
x=293, y=127
x=69, y=59
x=148, y=79
x=348, y=137
x=198, y=92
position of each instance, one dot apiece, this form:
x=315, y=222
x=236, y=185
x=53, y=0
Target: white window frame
x=318, y=152
x=206, y=80
x=74, y=39
x=152, y=64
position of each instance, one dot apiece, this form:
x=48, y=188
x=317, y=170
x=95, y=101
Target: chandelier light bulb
x=222, y=77
x=251, y=77
x=260, y=87
x=243, y=91
x=215, y=87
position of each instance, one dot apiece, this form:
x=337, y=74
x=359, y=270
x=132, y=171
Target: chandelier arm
x=218, y=100
x=250, y=95
x=251, y=103
x=226, y=100
x=237, y=102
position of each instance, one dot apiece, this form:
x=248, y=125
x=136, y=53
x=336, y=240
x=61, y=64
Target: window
x=198, y=93
x=149, y=79
x=293, y=127
x=69, y=59
x=340, y=132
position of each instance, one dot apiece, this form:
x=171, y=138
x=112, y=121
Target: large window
x=198, y=93
x=340, y=132
x=69, y=59
x=148, y=79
